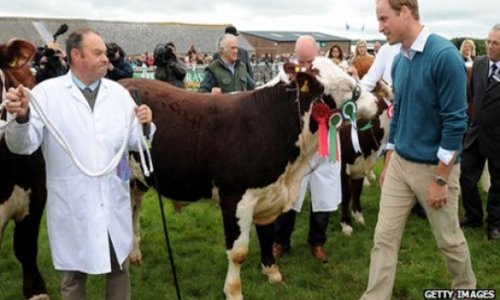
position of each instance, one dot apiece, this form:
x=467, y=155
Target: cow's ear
x=291, y=69
x=309, y=83
x=17, y=53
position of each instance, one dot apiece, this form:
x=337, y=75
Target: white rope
x=114, y=161
x=3, y=123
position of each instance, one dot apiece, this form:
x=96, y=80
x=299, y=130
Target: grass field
x=198, y=246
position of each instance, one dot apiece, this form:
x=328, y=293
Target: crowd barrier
x=263, y=72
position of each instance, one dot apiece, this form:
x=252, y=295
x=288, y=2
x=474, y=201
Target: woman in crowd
x=337, y=56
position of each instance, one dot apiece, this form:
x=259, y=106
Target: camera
x=49, y=63
x=111, y=49
x=163, y=54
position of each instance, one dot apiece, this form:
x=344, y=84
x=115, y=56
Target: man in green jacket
x=226, y=74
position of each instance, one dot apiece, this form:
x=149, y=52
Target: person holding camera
x=118, y=68
x=168, y=67
x=50, y=62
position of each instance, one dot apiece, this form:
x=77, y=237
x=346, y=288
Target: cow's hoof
x=40, y=297
x=273, y=273
x=346, y=229
x=358, y=217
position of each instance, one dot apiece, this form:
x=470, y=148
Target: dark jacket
x=172, y=72
x=121, y=69
x=485, y=125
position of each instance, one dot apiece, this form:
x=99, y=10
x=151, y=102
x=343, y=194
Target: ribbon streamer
x=321, y=113
x=334, y=137
x=349, y=112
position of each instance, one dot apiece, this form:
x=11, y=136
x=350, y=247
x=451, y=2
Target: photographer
x=118, y=68
x=50, y=62
x=168, y=68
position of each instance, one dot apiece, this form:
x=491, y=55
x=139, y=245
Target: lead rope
x=141, y=144
x=3, y=123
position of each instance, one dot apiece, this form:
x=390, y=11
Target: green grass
x=198, y=245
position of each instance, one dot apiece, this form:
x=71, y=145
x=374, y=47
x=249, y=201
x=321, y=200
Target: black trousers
x=472, y=165
x=318, y=223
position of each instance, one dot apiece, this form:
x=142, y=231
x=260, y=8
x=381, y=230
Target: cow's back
x=225, y=140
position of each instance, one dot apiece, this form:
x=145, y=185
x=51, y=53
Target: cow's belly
x=272, y=200
x=16, y=208
x=361, y=166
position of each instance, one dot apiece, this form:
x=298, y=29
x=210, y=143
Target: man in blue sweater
x=425, y=138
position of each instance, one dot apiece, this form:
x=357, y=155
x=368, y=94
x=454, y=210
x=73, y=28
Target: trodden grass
x=198, y=245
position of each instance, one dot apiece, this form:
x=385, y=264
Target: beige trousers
x=405, y=183
x=117, y=282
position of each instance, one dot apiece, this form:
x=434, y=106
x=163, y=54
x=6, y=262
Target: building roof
x=291, y=36
x=133, y=37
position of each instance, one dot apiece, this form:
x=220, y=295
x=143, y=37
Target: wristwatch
x=441, y=181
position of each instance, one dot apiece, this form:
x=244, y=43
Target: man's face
x=390, y=23
x=91, y=60
x=305, y=56
x=493, y=46
x=230, y=51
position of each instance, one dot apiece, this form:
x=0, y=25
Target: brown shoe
x=319, y=253
x=279, y=250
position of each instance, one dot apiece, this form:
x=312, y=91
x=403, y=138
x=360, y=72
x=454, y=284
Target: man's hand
x=17, y=101
x=437, y=195
x=144, y=114
x=216, y=90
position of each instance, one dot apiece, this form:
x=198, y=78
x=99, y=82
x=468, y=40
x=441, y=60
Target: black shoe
x=470, y=223
x=494, y=234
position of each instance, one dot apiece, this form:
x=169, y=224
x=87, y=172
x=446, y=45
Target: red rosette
x=321, y=114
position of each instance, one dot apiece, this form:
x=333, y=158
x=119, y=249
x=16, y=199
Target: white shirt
x=381, y=67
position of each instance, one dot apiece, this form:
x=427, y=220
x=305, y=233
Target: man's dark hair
x=75, y=41
x=231, y=30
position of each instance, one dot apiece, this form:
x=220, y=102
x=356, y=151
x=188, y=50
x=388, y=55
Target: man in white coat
x=89, y=216
x=323, y=181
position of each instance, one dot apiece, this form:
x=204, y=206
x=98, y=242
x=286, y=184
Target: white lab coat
x=324, y=183
x=81, y=210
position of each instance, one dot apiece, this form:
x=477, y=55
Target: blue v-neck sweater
x=430, y=101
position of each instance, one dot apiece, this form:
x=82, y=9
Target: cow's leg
x=137, y=194
x=269, y=266
x=357, y=188
x=26, y=245
x=237, y=216
x=345, y=217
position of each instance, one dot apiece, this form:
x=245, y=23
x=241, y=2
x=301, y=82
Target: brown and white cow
x=22, y=178
x=372, y=135
x=253, y=146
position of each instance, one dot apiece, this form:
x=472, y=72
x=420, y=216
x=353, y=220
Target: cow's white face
x=340, y=85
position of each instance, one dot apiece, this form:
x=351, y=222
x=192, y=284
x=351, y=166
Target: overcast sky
x=450, y=18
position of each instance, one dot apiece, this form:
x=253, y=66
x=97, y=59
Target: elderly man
x=324, y=183
x=481, y=143
x=226, y=74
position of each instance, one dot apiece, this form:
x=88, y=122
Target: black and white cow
x=253, y=146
